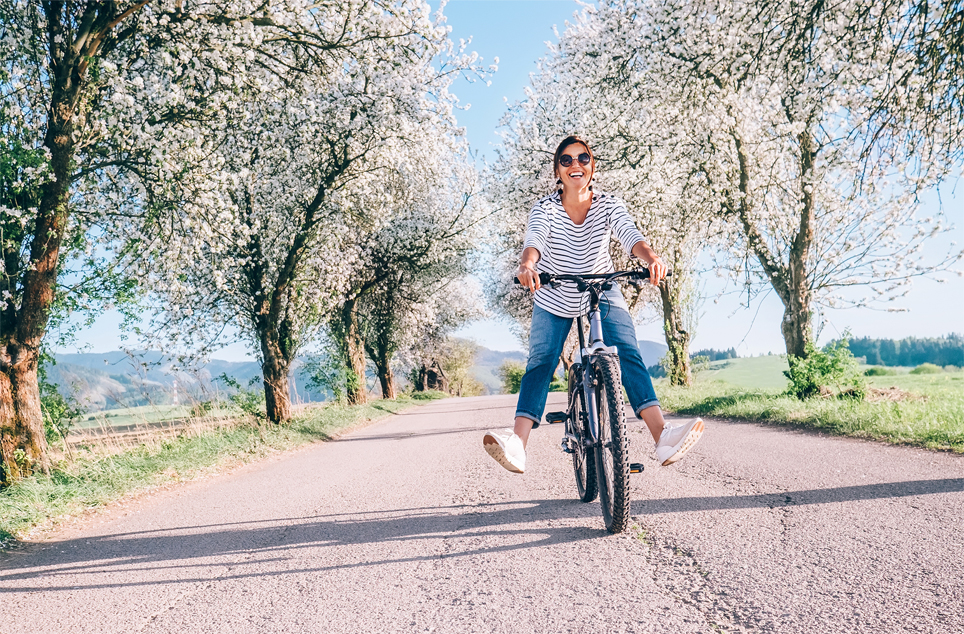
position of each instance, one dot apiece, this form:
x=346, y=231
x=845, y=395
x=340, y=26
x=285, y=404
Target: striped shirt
x=566, y=247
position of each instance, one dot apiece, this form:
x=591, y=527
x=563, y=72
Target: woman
x=569, y=232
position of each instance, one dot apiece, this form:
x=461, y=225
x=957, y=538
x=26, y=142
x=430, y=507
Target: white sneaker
x=674, y=442
x=507, y=449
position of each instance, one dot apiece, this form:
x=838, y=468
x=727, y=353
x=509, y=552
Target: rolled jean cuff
x=646, y=405
x=535, y=419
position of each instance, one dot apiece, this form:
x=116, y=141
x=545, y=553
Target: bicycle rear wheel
x=612, y=452
x=583, y=461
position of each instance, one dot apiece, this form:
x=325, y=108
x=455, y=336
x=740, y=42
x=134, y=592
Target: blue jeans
x=547, y=336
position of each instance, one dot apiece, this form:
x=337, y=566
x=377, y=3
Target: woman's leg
x=547, y=336
x=619, y=331
x=672, y=443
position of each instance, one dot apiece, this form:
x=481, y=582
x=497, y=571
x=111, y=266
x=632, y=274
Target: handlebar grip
x=644, y=274
x=543, y=279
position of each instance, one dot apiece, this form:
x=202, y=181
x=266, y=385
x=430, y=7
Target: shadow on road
x=240, y=550
x=800, y=498
x=205, y=553
x=403, y=435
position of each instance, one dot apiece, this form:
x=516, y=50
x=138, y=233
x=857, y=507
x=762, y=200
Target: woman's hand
x=657, y=270
x=527, y=273
x=528, y=277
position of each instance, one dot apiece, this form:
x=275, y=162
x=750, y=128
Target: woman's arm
x=537, y=233
x=527, y=273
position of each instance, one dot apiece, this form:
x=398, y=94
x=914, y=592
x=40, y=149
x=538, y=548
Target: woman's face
x=577, y=176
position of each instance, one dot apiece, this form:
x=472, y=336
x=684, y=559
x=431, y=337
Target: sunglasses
x=565, y=160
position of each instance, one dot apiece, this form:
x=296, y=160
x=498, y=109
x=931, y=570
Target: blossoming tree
x=63, y=69
x=263, y=233
x=819, y=124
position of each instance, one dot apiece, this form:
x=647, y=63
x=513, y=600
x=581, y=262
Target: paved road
x=408, y=526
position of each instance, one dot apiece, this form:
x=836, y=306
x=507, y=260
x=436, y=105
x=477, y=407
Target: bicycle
x=595, y=418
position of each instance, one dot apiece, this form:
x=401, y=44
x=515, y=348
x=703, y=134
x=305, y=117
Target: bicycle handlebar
x=547, y=278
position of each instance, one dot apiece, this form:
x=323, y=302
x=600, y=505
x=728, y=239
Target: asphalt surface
x=409, y=526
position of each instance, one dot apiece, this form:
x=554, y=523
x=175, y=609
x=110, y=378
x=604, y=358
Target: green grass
x=750, y=372
x=931, y=414
x=91, y=481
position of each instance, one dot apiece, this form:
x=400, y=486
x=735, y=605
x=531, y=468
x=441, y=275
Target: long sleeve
x=537, y=229
x=624, y=227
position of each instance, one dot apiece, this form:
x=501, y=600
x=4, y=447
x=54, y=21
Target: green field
x=925, y=410
x=753, y=372
x=133, y=416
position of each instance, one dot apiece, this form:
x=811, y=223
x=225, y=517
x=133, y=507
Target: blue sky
x=516, y=31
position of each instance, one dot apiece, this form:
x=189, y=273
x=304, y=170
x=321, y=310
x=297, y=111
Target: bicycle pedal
x=557, y=417
x=636, y=467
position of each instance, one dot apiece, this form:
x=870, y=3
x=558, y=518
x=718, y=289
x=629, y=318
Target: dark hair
x=566, y=142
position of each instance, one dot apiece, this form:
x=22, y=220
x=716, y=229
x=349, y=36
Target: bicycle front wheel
x=583, y=461
x=612, y=452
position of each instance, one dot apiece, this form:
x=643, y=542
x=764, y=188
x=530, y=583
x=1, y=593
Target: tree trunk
x=797, y=316
x=277, y=398
x=422, y=385
x=23, y=443
x=386, y=377
x=677, y=339
x=797, y=324
x=353, y=346
x=380, y=350
x=790, y=281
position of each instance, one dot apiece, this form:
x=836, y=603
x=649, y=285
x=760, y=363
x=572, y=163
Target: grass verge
x=929, y=410
x=93, y=480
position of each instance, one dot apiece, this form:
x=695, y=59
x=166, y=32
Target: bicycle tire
x=583, y=462
x=612, y=452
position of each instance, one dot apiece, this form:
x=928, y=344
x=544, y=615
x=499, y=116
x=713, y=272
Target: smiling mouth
x=576, y=175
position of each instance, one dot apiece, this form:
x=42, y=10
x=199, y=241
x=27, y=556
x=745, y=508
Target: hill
x=118, y=380
x=651, y=351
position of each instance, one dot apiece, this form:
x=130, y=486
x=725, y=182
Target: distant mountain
x=487, y=363
x=111, y=380
x=651, y=351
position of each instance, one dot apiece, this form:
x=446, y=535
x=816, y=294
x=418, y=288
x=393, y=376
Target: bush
x=879, y=371
x=510, y=373
x=699, y=362
x=249, y=400
x=834, y=367
x=927, y=368
x=59, y=413
x=202, y=408
x=428, y=395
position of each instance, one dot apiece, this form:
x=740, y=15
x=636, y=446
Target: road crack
x=678, y=573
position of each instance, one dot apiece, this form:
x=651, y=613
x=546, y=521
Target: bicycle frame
x=588, y=353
